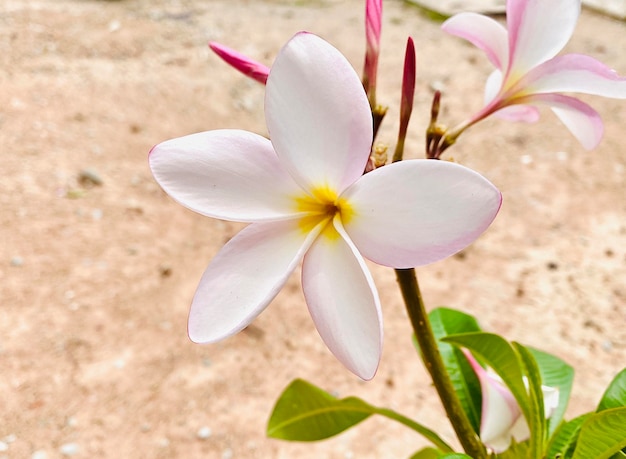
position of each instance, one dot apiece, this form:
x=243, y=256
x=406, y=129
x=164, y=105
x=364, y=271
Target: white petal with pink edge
x=575, y=73
x=484, y=33
x=229, y=174
x=416, y=212
x=244, y=277
x=538, y=30
x=581, y=120
x=317, y=114
x=343, y=301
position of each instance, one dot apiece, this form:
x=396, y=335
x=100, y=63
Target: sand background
x=96, y=278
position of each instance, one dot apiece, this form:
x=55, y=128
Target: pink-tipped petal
x=317, y=114
x=244, y=277
x=343, y=301
x=228, y=174
x=244, y=64
x=416, y=212
x=520, y=113
x=575, y=73
x=538, y=30
x=581, y=120
x=499, y=408
x=484, y=33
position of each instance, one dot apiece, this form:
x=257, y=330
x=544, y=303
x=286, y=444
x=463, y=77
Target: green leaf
x=306, y=413
x=537, y=420
x=555, y=373
x=564, y=438
x=446, y=322
x=516, y=451
x=602, y=435
x=496, y=352
x=615, y=394
x=432, y=453
x=427, y=453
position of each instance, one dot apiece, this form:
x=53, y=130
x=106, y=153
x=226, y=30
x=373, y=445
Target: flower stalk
x=414, y=303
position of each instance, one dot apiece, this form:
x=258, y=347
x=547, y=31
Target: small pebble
x=39, y=454
x=164, y=442
x=165, y=270
x=10, y=438
x=90, y=177
x=227, y=454
x=526, y=159
x=3, y=446
x=69, y=449
x=204, y=433
x=17, y=261
x=607, y=345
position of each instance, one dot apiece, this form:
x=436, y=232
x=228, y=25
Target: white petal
x=493, y=86
x=520, y=430
x=228, y=174
x=317, y=114
x=582, y=120
x=244, y=277
x=415, y=212
x=575, y=73
x=550, y=400
x=538, y=30
x=499, y=410
x=484, y=33
x=343, y=301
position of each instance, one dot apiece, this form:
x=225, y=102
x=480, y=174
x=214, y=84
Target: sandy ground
x=98, y=266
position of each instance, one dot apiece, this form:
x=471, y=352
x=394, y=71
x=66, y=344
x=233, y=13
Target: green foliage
x=446, y=322
x=615, y=394
x=563, y=441
x=602, y=435
x=555, y=373
x=432, y=453
x=537, y=420
x=496, y=352
x=305, y=412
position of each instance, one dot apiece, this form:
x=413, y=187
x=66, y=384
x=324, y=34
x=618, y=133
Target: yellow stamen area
x=320, y=207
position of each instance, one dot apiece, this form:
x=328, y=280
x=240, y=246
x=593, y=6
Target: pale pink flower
x=528, y=70
x=306, y=199
x=501, y=417
x=244, y=64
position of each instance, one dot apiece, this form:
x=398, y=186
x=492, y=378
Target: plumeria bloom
x=528, y=70
x=306, y=199
x=501, y=417
x=244, y=64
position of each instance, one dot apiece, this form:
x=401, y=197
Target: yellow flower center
x=321, y=206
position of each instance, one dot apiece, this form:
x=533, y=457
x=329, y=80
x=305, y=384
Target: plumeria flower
x=501, y=417
x=306, y=199
x=528, y=70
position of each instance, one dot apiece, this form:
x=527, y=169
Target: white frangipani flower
x=306, y=199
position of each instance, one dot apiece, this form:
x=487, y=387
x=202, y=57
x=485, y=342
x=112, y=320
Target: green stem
x=419, y=428
x=434, y=363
